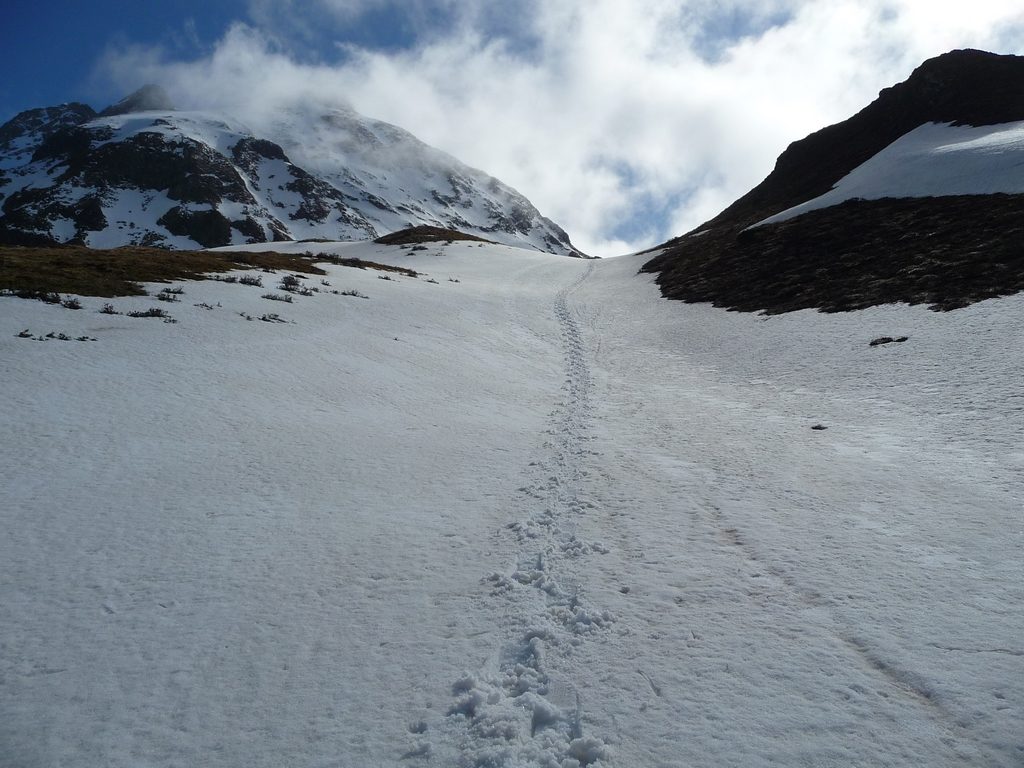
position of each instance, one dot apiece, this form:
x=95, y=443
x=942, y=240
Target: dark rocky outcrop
x=67, y=146
x=251, y=229
x=88, y=214
x=44, y=121
x=319, y=199
x=190, y=172
x=248, y=153
x=945, y=251
x=186, y=171
x=208, y=228
x=21, y=208
x=883, y=340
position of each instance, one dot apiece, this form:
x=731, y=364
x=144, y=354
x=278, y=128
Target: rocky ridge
x=946, y=251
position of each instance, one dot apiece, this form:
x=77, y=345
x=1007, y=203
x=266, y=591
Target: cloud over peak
x=627, y=123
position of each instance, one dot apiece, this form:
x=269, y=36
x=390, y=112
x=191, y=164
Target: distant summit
x=141, y=173
x=937, y=235
x=147, y=98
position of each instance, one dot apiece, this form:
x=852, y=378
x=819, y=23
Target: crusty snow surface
x=933, y=160
x=535, y=517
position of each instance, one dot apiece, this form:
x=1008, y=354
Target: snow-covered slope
x=934, y=160
x=182, y=179
x=534, y=517
x=393, y=179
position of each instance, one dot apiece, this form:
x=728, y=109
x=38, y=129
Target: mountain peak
x=179, y=180
x=148, y=97
x=963, y=87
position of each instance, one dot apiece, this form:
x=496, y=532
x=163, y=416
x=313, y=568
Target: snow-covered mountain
x=916, y=198
x=141, y=172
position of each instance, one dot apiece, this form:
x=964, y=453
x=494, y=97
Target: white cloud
x=600, y=111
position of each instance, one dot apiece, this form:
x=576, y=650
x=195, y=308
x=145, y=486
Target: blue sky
x=625, y=122
x=51, y=48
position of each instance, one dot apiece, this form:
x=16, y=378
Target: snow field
x=796, y=596
x=230, y=566
x=538, y=517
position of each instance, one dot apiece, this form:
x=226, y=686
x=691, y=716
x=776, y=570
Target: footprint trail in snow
x=517, y=710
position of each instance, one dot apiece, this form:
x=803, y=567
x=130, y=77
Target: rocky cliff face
x=946, y=251
x=140, y=172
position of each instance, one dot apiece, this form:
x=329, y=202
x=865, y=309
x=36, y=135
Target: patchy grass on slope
x=119, y=271
x=349, y=261
x=946, y=252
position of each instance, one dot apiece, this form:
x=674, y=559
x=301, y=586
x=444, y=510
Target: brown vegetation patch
x=425, y=234
x=119, y=271
x=347, y=261
x=946, y=252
